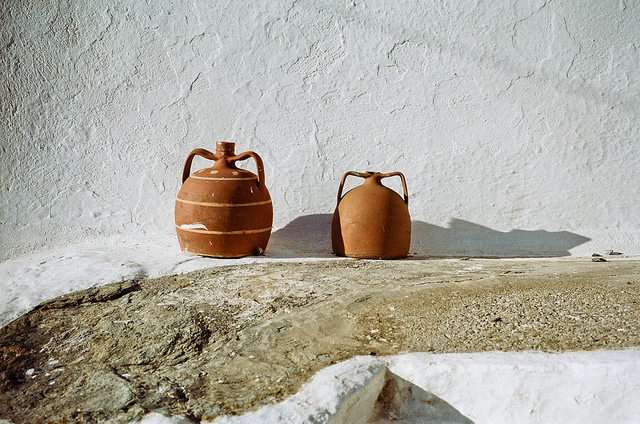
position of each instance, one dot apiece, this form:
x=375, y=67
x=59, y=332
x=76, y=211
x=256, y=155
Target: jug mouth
x=225, y=148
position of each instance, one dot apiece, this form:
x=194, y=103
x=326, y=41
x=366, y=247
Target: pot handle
x=344, y=177
x=215, y=156
x=404, y=184
x=256, y=158
x=380, y=176
x=187, y=164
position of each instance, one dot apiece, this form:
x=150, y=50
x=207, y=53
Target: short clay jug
x=223, y=211
x=371, y=221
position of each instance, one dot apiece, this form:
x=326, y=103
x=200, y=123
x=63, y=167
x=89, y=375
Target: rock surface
x=228, y=340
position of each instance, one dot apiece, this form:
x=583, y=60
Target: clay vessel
x=371, y=221
x=223, y=211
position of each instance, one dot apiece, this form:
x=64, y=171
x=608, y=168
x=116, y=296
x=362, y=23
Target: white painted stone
x=488, y=387
x=514, y=122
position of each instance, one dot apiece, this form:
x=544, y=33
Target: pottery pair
x=226, y=212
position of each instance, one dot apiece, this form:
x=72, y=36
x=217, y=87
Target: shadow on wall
x=464, y=238
x=309, y=236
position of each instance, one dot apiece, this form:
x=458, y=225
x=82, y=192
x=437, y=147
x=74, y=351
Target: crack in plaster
x=198, y=15
x=520, y=21
x=396, y=45
x=575, y=56
x=289, y=11
x=437, y=89
x=512, y=81
x=51, y=24
x=623, y=5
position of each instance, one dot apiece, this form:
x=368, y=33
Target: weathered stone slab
x=228, y=340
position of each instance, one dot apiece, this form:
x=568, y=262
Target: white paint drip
x=196, y=226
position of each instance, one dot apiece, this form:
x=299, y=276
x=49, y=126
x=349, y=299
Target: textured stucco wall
x=516, y=123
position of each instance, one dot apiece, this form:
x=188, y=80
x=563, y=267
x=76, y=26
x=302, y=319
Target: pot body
x=371, y=221
x=223, y=211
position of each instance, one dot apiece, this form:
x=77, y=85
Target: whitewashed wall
x=516, y=123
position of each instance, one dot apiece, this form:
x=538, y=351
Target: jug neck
x=224, y=148
x=373, y=177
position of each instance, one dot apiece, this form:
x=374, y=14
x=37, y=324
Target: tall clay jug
x=371, y=221
x=223, y=211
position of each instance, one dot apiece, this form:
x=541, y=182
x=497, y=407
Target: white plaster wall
x=516, y=123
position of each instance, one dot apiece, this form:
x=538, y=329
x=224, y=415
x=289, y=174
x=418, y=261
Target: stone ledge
x=230, y=339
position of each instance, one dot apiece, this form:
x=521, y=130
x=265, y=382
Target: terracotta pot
x=223, y=211
x=372, y=221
